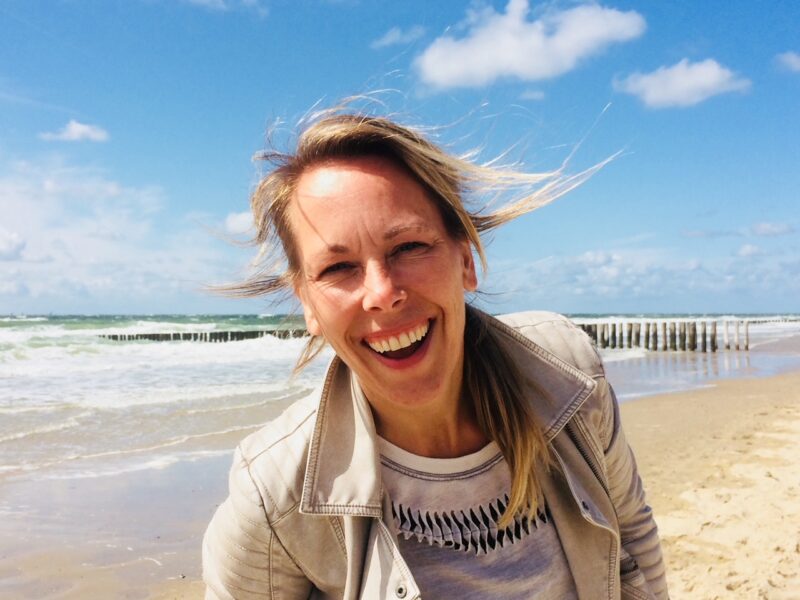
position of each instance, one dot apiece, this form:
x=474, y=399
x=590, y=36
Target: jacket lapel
x=343, y=472
x=556, y=388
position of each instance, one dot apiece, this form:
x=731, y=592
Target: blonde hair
x=491, y=379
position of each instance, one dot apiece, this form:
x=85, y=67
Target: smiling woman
x=447, y=453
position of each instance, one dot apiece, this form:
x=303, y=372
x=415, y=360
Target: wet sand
x=719, y=464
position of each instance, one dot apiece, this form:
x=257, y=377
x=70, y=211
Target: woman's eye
x=336, y=269
x=410, y=247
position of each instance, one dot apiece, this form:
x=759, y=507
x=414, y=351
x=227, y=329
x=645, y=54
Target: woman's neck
x=434, y=434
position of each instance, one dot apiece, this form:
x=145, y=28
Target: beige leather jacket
x=306, y=513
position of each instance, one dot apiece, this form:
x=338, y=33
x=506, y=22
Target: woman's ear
x=470, y=276
x=312, y=324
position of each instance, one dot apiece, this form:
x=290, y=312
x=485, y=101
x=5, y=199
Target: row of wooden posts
x=669, y=335
x=652, y=335
x=206, y=336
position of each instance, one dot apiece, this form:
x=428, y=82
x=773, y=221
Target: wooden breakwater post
x=692, y=342
x=736, y=334
x=713, y=340
x=647, y=335
x=702, y=336
x=747, y=335
x=613, y=335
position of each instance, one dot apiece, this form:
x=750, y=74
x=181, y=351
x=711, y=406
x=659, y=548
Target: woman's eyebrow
x=393, y=232
x=336, y=249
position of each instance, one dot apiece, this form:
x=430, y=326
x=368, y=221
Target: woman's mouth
x=401, y=345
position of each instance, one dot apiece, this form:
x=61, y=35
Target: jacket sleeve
x=242, y=557
x=638, y=532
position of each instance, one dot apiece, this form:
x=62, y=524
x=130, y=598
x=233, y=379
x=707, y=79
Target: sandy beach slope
x=722, y=474
x=720, y=466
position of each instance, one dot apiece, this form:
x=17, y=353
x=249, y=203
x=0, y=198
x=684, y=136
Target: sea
x=75, y=404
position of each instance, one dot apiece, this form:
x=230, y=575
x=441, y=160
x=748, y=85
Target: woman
x=447, y=453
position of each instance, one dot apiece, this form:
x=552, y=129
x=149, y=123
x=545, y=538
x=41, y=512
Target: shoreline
x=719, y=474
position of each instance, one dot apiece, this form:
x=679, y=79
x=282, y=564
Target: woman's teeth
x=398, y=342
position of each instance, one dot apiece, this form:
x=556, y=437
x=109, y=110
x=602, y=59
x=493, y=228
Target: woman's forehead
x=346, y=175
x=337, y=201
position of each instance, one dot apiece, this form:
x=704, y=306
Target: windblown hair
x=491, y=379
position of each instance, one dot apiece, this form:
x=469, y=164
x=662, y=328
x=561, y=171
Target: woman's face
x=382, y=281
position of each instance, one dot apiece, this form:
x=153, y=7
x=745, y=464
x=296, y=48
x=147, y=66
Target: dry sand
x=719, y=464
x=721, y=470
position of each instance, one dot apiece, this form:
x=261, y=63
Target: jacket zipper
x=587, y=456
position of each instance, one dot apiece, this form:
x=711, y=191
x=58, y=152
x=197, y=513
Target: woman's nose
x=381, y=291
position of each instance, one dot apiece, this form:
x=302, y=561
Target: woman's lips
x=402, y=349
x=399, y=341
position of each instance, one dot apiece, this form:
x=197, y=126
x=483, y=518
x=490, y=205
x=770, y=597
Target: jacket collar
x=343, y=471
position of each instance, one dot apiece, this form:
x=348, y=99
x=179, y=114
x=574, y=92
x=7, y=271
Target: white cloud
x=682, y=84
x=532, y=95
x=76, y=132
x=643, y=278
x=396, y=36
x=748, y=250
x=11, y=245
x=771, y=229
x=236, y=223
x=507, y=44
x=80, y=241
x=789, y=60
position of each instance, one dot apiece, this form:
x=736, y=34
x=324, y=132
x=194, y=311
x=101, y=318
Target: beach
x=108, y=497
x=721, y=473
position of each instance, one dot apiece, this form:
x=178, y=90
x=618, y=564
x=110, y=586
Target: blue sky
x=127, y=130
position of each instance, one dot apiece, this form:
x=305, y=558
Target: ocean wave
x=626, y=397
x=622, y=354
x=229, y=406
x=68, y=424
x=156, y=463
x=112, y=455
x=22, y=319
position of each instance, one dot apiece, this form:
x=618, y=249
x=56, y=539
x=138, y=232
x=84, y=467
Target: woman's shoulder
x=557, y=335
x=274, y=457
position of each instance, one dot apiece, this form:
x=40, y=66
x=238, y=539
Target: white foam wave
x=622, y=354
x=156, y=463
x=664, y=390
x=22, y=319
x=68, y=424
x=47, y=408
x=228, y=406
x=126, y=452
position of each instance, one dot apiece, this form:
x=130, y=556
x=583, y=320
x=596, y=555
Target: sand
x=721, y=470
x=719, y=465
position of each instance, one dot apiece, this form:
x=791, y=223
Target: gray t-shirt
x=445, y=514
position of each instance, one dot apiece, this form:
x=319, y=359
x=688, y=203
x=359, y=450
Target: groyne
x=693, y=335
x=667, y=334
x=206, y=336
